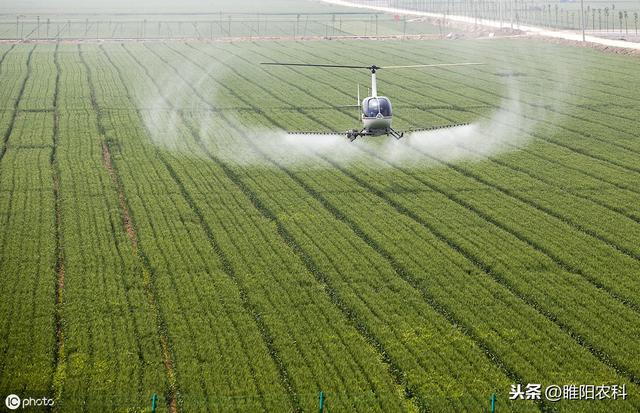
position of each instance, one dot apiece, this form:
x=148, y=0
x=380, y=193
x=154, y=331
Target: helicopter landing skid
x=395, y=134
x=354, y=133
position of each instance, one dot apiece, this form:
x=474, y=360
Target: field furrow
x=17, y=74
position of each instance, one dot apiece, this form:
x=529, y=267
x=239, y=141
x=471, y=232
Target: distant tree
x=626, y=22
x=599, y=19
x=606, y=18
x=635, y=18
x=573, y=19
x=593, y=19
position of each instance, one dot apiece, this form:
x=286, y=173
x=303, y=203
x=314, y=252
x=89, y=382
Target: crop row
x=27, y=259
x=161, y=244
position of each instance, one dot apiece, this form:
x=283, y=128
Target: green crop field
x=161, y=232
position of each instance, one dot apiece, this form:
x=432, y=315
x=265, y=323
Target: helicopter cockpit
x=373, y=106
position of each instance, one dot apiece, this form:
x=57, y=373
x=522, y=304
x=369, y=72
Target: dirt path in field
x=59, y=356
x=133, y=237
x=126, y=216
x=219, y=39
x=467, y=22
x=469, y=32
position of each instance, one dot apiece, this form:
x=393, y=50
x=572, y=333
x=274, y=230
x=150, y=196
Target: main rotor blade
x=373, y=68
x=433, y=65
x=316, y=65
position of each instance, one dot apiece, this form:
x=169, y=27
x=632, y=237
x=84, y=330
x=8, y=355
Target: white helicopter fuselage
x=376, y=111
x=378, y=124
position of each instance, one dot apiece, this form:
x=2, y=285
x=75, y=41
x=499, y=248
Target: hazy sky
x=155, y=6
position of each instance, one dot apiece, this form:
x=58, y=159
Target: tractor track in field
x=576, y=337
x=12, y=122
x=172, y=393
x=126, y=215
x=59, y=357
x=127, y=223
x=6, y=52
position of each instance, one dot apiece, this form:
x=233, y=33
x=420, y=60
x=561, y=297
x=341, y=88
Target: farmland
x=161, y=233
x=193, y=19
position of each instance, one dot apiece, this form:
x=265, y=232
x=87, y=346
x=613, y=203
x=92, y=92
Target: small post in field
x=321, y=402
x=154, y=402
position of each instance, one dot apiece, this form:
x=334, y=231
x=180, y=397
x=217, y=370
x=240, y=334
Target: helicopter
x=376, y=113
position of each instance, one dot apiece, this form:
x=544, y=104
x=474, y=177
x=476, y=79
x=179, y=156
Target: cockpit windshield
x=385, y=106
x=375, y=105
